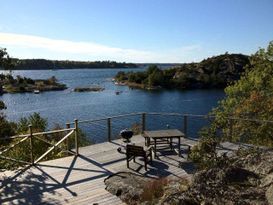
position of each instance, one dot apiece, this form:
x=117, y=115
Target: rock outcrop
x=246, y=179
x=215, y=72
x=128, y=186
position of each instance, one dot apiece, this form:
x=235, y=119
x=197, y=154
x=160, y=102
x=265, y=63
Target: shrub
x=204, y=153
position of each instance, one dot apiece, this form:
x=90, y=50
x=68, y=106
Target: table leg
x=171, y=143
x=155, y=147
x=179, y=146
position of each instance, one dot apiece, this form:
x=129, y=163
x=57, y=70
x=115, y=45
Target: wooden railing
x=143, y=121
x=38, y=136
x=72, y=128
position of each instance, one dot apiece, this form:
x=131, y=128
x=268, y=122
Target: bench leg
x=146, y=141
x=155, y=147
x=179, y=147
x=145, y=161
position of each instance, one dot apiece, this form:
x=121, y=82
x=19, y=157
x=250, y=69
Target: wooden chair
x=133, y=151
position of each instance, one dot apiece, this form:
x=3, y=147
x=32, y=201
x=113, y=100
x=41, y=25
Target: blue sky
x=134, y=30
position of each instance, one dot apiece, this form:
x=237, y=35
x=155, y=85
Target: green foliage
x=121, y=76
x=5, y=60
x=156, y=78
x=2, y=105
x=204, y=153
x=252, y=98
x=137, y=77
x=38, y=123
x=6, y=128
x=41, y=143
x=36, y=64
x=151, y=69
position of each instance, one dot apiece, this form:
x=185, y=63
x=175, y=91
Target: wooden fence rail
x=37, y=135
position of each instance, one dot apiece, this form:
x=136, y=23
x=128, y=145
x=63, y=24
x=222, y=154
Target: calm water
x=64, y=106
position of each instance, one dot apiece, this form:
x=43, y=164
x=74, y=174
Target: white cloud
x=29, y=46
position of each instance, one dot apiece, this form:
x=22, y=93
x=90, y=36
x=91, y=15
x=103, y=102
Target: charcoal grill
x=126, y=135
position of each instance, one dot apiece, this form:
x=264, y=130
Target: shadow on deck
x=81, y=179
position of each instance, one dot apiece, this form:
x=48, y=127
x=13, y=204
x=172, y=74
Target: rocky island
x=9, y=84
x=89, y=89
x=214, y=72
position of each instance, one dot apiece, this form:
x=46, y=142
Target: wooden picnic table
x=158, y=135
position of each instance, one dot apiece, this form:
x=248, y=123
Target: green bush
x=204, y=153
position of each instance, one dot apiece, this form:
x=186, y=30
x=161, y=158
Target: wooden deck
x=80, y=180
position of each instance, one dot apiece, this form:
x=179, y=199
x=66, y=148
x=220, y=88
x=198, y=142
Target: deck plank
x=80, y=180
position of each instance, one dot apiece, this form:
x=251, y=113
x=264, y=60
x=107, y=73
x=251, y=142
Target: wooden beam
x=31, y=145
x=50, y=143
x=76, y=136
x=52, y=132
x=53, y=147
x=7, y=149
x=15, y=160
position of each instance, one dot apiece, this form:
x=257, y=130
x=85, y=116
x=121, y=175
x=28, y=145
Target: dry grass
x=154, y=189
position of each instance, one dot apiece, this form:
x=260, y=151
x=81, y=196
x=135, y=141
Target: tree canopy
x=251, y=97
x=5, y=60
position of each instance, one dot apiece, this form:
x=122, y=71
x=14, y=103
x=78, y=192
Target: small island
x=214, y=72
x=89, y=89
x=9, y=84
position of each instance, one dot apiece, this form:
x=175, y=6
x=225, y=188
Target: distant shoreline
x=68, y=69
x=45, y=64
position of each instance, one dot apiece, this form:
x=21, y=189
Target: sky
x=139, y=31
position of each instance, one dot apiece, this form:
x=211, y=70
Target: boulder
x=269, y=195
x=128, y=186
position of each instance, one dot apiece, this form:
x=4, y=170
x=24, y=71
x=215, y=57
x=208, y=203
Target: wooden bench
x=133, y=151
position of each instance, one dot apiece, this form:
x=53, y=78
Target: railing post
x=31, y=145
x=67, y=140
x=76, y=136
x=185, y=125
x=109, y=129
x=143, y=122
